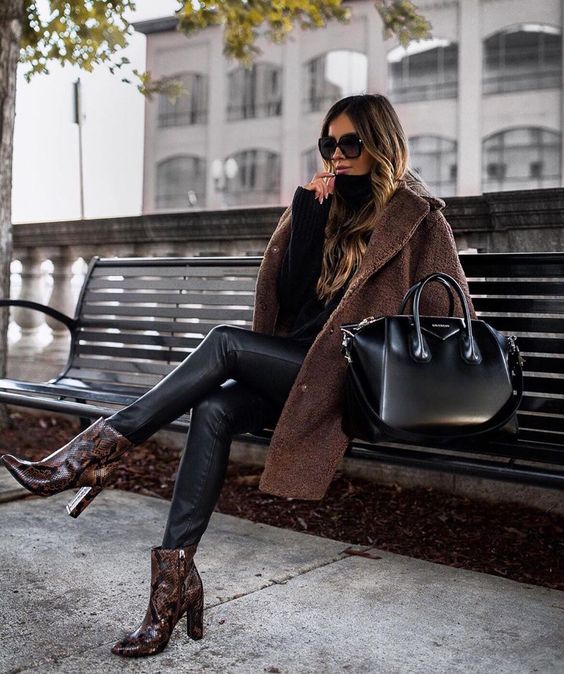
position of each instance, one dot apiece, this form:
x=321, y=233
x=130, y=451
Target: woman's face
x=341, y=164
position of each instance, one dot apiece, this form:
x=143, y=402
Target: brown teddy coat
x=411, y=238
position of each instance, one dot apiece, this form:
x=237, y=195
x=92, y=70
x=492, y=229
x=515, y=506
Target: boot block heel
x=195, y=621
x=82, y=499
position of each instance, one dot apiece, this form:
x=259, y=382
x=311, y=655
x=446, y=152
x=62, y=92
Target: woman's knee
x=222, y=329
x=232, y=409
x=212, y=408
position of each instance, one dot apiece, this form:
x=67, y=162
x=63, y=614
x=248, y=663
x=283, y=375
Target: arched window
x=181, y=182
x=311, y=164
x=191, y=107
x=257, y=179
x=434, y=158
x=521, y=159
x=425, y=70
x=333, y=75
x=523, y=57
x=255, y=91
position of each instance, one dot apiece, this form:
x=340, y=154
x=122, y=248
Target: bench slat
x=544, y=345
x=196, y=312
x=516, y=324
x=183, y=269
x=519, y=305
x=138, y=338
x=516, y=287
x=545, y=364
x=181, y=325
x=117, y=353
x=540, y=422
x=511, y=265
x=241, y=283
x=533, y=403
x=543, y=384
x=142, y=367
x=92, y=377
x=529, y=436
x=246, y=300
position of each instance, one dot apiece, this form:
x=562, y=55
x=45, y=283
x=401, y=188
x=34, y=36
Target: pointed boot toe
x=11, y=462
x=24, y=472
x=145, y=643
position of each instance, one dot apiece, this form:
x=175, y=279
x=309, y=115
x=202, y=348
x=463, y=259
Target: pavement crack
x=282, y=580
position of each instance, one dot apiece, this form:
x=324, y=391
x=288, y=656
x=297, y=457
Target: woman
x=354, y=239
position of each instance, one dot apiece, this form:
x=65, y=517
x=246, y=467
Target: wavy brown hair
x=347, y=232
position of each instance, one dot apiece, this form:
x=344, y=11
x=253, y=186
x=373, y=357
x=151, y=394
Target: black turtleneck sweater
x=302, y=262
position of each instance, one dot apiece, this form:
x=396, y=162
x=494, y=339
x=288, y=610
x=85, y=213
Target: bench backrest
x=523, y=294
x=139, y=317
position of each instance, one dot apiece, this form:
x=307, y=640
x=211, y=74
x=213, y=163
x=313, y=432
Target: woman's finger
x=318, y=177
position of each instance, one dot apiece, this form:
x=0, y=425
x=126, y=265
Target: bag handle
x=414, y=287
x=419, y=349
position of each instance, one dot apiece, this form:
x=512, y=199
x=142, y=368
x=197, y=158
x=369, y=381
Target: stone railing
x=50, y=258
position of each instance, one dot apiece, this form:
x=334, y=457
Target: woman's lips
x=342, y=170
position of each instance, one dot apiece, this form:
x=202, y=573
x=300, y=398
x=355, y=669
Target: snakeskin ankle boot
x=89, y=461
x=176, y=589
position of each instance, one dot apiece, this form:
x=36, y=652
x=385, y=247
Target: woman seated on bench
x=354, y=239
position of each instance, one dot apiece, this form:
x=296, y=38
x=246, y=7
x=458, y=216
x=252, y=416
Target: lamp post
x=77, y=110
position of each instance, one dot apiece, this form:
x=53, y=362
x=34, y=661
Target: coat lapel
x=392, y=228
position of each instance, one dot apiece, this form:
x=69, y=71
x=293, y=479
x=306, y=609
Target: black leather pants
x=235, y=381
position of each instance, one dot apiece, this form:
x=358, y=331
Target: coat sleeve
x=439, y=253
x=299, y=269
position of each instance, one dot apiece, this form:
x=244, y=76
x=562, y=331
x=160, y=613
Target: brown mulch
x=506, y=539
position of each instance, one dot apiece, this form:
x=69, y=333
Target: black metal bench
x=137, y=318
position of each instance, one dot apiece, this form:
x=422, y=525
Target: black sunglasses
x=349, y=143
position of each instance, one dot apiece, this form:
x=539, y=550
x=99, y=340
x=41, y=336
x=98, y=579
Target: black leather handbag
x=430, y=378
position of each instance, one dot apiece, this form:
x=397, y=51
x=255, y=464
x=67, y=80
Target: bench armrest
x=63, y=318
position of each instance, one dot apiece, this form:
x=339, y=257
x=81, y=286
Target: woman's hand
x=323, y=184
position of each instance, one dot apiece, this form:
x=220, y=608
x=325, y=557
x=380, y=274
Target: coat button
x=275, y=249
x=303, y=387
x=332, y=330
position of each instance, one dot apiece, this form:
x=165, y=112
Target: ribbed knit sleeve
x=302, y=262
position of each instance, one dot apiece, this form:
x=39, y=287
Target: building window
x=424, y=71
x=255, y=92
x=524, y=57
x=521, y=159
x=181, y=183
x=332, y=76
x=434, y=158
x=311, y=164
x=191, y=107
x=257, y=179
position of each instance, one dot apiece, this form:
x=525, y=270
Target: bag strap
x=409, y=294
x=497, y=421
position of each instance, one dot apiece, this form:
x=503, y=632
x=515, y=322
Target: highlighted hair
x=347, y=233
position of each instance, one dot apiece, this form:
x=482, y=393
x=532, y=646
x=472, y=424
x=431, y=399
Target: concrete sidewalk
x=276, y=600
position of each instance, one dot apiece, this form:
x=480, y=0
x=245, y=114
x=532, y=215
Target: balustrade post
x=63, y=298
x=32, y=288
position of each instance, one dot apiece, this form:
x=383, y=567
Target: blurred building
x=481, y=102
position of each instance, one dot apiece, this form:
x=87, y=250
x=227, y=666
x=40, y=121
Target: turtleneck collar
x=354, y=189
